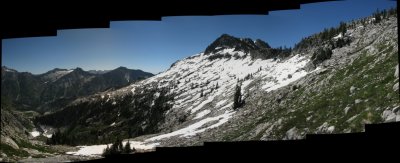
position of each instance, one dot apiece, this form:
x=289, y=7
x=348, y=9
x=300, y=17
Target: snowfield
x=97, y=150
x=35, y=133
x=216, y=80
x=195, y=128
x=204, y=87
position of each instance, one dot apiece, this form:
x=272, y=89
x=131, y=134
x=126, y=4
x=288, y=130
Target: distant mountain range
x=57, y=87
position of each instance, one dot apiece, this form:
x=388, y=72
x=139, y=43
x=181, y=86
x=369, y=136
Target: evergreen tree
x=377, y=16
x=385, y=14
x=201, y=94
x=114, y=149
x=106, y=152
x=237, y=99
x=342, y=28
x=127, y=148
x=120, y=146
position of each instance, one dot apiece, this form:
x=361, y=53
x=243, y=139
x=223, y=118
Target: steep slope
x=334, y=86
x=356, y=85
x=181, y=86
x=116, y=78
x=23, y=88
x=56, y=88
x=16, y=135
x=54, y=75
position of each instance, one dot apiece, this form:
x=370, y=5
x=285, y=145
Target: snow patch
x=89, y=150
x=194, y=128
x=202, y=114
x=157, y=94
x=226, y=106
x=35, y=133
x=282, y=74
x=338, y=36
x=47, y=135
x=220, y=103
x=198, y=107
x=8, y=70
x=97, y=150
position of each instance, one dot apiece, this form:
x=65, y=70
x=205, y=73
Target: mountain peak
x=5, y=68
x=121, y=68
x=225, y=41
x=55, y=70
x=262, y=44
x=226, y=36
x=78, y=69
x=228, y=41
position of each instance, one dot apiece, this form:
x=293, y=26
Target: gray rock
x=357, y=101
x=352, y=89
x=293, y=133
x=309, y=67
x=386, y=113
x=346, y=109
x=260, y=102
x=396, y=87
x=396, y=109
x=10, y=142
x=330, y=129
x=396, y=73
x=391, y=118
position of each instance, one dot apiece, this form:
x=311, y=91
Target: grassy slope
x=372, y=74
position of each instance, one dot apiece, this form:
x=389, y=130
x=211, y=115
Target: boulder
x=309, y=67
x=396, y=87
x=293, y=133
x=346, y=109
x=357, y=101
x=352, y=89
x=10, y=142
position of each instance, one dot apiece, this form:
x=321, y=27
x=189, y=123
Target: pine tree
x=377, y=16
x=342, y=28
x=106, y=152
x=127, y=148
x=384, y=14
x=113, y=150
x=237, y=99
x=116, y=147
x=120, y=146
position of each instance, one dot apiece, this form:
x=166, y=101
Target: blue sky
x=154, y=45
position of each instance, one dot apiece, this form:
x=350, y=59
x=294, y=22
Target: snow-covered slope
x=203, y=87
x=284, y=99
x=55, y=74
